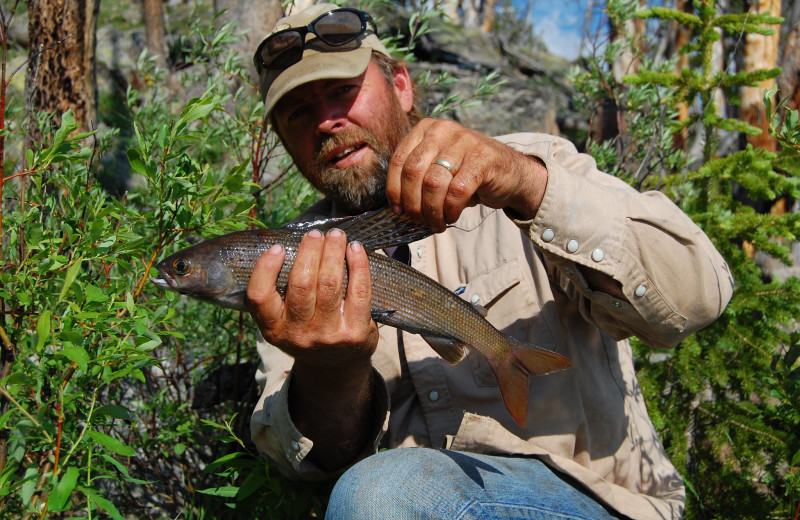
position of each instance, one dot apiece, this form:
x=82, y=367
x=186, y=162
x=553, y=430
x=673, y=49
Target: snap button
x=640, y=291
x=548, y=235
x=433, y=396
x=616, y=305
x=598, y=255
x=475, y=298
x=572, y=246
x=419, y=252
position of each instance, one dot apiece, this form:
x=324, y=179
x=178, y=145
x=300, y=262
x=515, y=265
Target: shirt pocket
x=483, y=292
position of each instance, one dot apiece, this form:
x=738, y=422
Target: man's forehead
x=302, y=91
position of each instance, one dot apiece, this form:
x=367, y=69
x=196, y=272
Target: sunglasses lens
x=339, y=27
x=282, y=49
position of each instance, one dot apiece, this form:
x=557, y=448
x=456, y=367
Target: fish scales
x=218, y=271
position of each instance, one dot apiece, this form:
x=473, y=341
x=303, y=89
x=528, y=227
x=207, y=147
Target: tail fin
x=514, y=369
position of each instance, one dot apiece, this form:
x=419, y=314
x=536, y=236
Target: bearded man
x=556, y=252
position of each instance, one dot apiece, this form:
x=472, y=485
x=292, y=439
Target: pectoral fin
x=450, y=349
x=381, y=314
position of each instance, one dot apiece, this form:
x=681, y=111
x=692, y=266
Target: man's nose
x=331, y=117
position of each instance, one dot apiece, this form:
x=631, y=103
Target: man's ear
x=404, y=88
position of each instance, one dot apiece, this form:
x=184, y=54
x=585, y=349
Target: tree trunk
x=681, y=38
x=488, y=16
x=760, y=52
x=471, y=14
x=153, y=14
x=450, y=9
x=631, y=36
x=61, y=70
x=718, y=62
x=789, y=80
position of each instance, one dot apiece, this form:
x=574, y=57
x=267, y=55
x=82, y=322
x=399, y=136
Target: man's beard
x=361, y=187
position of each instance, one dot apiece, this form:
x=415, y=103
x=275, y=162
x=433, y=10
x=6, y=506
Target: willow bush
x=120, y=399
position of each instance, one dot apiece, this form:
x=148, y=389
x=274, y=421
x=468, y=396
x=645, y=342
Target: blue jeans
x=422, y=483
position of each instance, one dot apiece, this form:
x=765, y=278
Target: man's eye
x=296, y=114
x=345, y=89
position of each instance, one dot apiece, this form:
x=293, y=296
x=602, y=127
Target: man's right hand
x=331, y=335
x=317, y=317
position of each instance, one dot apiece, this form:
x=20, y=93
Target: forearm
x=641, y=266
x=333, y=408
x=532, y=175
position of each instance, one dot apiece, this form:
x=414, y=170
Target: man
x=556, y=252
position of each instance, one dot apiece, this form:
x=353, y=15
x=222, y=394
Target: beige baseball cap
x=319, y=61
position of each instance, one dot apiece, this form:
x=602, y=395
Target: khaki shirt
x=590, y=421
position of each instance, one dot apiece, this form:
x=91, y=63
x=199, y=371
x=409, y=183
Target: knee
x=390, y=484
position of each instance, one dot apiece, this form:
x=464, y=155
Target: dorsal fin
x=377, y=229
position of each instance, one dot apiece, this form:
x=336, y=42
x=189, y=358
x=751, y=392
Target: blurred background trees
x=128, y=130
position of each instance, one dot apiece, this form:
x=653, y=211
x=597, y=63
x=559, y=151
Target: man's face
x=341, y=133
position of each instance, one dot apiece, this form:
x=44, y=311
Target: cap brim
x=348, y=63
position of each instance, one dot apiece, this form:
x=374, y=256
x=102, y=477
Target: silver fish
x=218, y=271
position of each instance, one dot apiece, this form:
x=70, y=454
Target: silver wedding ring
x=442, y=162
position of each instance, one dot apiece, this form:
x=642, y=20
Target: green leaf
x=136, y=162
x=113, y=410
x=29, y=484
x=195, y=109
x=102, y=502
x=94, y=293
x=129, y=305
x=222, y=460
x=78, y=355
x=792, y=355
x=17, y=378
x=72, y=273
x=42, y=329
x=61, y=493
x=252, y=483
x=112, y=444
x=23, y=298
x=221, y=491
x=122, y=469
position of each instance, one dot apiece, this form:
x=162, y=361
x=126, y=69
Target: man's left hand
x=481, y=170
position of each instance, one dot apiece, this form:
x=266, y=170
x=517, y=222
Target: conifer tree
x=726, y=401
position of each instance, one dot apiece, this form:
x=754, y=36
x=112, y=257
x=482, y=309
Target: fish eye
x=180, y=266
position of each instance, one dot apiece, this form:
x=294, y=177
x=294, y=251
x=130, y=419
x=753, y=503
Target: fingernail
x=397, y=209
x=335, y=232
x=276, y=249
x=316, y=233
x=356, y=247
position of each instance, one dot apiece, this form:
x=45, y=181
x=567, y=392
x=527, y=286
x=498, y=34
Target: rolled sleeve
x=673, y=279
x=275, y=434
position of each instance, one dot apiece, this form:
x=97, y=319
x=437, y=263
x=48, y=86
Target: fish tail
x=514, y=370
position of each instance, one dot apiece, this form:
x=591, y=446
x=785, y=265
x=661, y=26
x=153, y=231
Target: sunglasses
x=335, y=28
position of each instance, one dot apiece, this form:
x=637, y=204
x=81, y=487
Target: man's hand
x=316, y=315
x=484, y=171
x=331, y=336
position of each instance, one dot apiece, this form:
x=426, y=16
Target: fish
x=218, y=270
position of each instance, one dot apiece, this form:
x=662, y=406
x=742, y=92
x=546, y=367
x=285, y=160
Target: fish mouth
x=165, y=282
